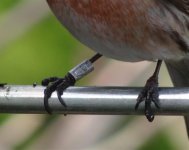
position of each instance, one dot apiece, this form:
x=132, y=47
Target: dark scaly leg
x=60, y=84
x=150, y=94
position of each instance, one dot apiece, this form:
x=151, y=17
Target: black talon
x=148, y=111
x=139, y=100
x=156, y=102
x=46, y=104
x=48, y=92
x=69, y=80
x=149, y=116
x=60, y=89
x=150, y=94
x=56, y=84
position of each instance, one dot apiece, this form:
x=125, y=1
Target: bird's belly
x=116, y=50
x=129, y=52
x=119, y=40
x=115, y=46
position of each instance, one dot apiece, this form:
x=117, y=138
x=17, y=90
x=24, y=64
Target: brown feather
x=182, y=5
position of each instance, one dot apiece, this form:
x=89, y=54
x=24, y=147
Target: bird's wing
x=179, y=70
x=182, y=5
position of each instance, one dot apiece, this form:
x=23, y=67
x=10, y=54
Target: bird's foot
x=149, y=94
x=56, y=84
x=60, y=84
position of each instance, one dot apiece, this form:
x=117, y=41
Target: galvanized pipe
x=91, y=100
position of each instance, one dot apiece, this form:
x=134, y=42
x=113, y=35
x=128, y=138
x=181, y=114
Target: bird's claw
x=56, y=84
x=149, y=94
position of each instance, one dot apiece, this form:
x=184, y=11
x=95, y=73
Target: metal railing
x=91, y=100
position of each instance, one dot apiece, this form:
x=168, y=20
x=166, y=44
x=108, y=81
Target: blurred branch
x=91, y=100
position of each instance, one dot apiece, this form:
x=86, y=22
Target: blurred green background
x=33, y=46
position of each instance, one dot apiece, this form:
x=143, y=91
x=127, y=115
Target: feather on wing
x=182, y=5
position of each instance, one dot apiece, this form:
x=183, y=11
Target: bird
x=130, y=31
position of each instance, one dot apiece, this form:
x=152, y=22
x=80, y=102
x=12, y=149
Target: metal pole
x=91, y=100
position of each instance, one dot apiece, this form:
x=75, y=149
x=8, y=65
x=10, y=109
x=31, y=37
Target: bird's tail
x=179, y=73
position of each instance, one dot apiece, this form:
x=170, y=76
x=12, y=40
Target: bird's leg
x=150, y=94
x=60, y=84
